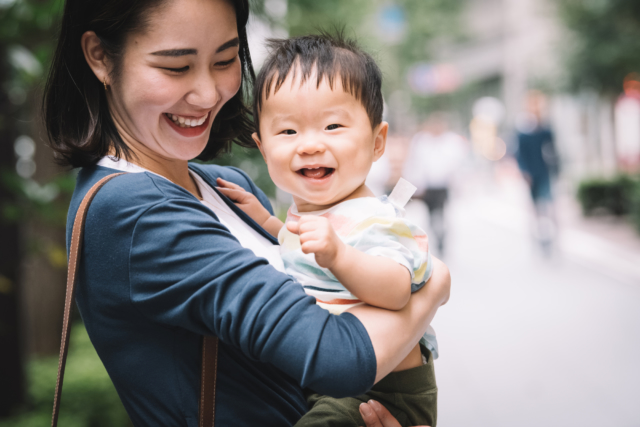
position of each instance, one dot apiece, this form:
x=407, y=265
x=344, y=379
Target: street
x=527, y=340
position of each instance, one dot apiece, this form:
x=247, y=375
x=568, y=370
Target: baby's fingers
x=226, y=184
x=237, y=196
x=311, y=247
x=293, y=227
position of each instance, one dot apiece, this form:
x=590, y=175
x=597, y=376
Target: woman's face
x=175, y=76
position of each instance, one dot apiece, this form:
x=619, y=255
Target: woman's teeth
x=185, y=122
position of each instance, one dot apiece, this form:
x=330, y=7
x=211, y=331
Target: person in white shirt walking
x=435, y=155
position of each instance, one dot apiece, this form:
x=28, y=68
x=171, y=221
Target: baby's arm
x=376, y=280
x=251, y=206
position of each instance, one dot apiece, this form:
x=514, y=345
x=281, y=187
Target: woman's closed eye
x=333, y=126
x=224, y=64
x=177, y=70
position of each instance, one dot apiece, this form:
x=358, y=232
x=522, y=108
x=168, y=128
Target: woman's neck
x=175, y=170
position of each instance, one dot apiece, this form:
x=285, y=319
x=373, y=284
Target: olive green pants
x=411, y=396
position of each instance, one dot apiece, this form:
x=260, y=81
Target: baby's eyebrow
x=336, y=112
x=277, y=118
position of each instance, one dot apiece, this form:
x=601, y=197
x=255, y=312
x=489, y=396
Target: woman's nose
x=205, y=92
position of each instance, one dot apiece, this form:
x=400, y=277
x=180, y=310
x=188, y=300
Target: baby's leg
x=410, y=396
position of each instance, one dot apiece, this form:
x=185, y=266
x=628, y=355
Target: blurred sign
x=430, y=79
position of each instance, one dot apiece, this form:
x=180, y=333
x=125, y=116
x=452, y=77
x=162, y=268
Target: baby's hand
x=318, y=237
x=246, y=201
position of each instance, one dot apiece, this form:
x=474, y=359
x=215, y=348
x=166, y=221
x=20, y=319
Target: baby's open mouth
x=316, y=173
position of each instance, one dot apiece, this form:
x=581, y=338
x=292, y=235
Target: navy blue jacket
x=159, y=270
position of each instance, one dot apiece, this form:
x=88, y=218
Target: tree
x=25, y=44
x=607, y=42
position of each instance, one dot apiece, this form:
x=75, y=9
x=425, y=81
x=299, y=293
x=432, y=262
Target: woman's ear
x=380, y=140
x=95, y=56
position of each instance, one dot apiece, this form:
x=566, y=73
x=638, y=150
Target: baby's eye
x=333, y=126
x=288, y=132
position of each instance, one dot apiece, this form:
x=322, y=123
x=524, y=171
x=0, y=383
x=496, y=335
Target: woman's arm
x=394, y=333
x=186, y=270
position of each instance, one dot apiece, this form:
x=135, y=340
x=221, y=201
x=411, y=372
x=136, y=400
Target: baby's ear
x=256, y=139
x=380, y=140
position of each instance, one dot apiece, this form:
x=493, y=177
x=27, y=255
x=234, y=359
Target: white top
x=246, y=235
x=434, y=160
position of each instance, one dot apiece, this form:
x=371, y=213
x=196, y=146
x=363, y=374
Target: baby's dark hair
x=331, y=56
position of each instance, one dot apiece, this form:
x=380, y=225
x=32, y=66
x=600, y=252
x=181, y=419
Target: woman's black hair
x=76, y=114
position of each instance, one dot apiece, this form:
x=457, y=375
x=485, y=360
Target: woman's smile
x=188, y=126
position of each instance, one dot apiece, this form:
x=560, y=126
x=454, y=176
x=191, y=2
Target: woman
x=166, y=258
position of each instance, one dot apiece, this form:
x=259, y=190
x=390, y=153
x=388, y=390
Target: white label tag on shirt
x=402, y=193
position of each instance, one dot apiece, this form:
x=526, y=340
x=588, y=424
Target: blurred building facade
x=513, y=46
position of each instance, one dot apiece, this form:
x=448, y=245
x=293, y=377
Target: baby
x=318, y=111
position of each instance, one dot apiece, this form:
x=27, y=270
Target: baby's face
x=318, y=143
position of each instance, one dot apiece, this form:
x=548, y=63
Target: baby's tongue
x=314, y=173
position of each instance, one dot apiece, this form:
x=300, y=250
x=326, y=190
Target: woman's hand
x=376, y=415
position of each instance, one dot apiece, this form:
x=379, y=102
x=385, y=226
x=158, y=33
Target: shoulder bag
x=209, y=343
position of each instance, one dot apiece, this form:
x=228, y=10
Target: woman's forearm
x=394, y=333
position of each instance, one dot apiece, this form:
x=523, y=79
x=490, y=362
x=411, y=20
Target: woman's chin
x=185, y=150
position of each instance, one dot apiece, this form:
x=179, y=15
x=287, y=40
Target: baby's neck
x=307, y=206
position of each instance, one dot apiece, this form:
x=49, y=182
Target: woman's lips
x=189, y=131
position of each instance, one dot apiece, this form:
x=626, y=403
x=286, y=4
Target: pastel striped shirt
x=372, y=225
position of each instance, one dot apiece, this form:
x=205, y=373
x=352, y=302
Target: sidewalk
x=609, y=244
x=526, y=339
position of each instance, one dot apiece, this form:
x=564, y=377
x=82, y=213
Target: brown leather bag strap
x=209, y=346
x=208, y=381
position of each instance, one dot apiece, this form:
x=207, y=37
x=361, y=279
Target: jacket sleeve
x=187, y=270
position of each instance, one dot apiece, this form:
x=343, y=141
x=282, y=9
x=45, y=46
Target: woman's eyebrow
x=184, y=52
x=231, y=43
x=175, y=52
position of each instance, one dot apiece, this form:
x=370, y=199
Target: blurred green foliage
x=88, y=399
x=607, y=34
x=46, y=204
x=611, y=196
x=419, y=22
x=635, y=206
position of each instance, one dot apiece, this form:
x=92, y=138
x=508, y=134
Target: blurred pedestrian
x=538, y=161
x=435, y=155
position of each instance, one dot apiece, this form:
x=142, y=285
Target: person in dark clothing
x=537, y=159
